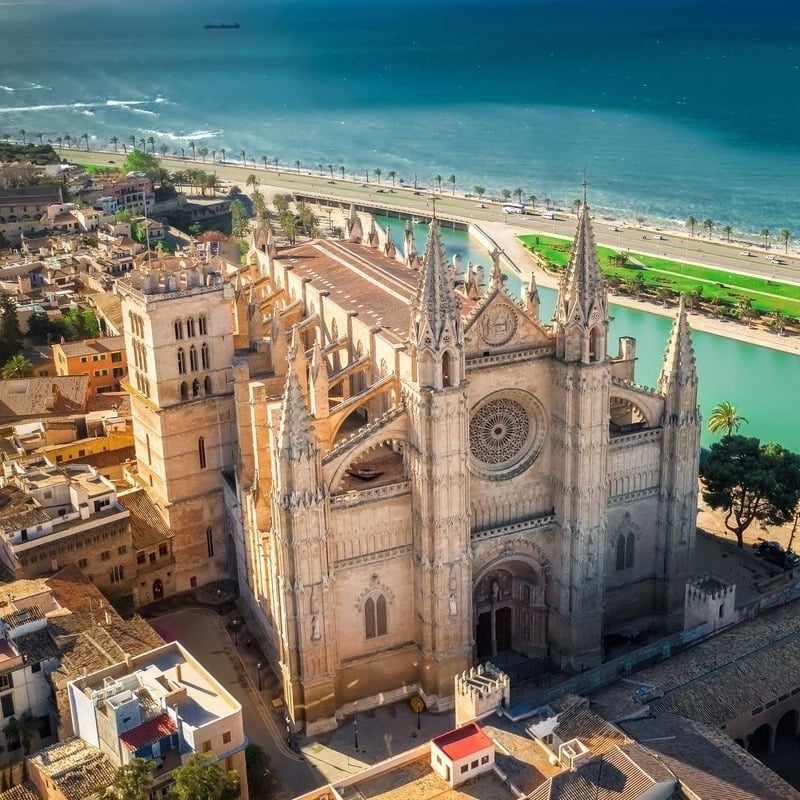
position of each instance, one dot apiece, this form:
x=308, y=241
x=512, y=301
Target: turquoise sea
x=672, y=107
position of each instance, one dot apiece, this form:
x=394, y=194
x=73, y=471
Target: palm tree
x=342, y=169
x=152, y=142
x=22, y=135
x=264, y=159
x=378, y=173
x=60, y=140
x=243, y=154
x=438, y=180
x=68, y=139
x=17, y=367
x=192, y=145
x=746, y=311
x=222, y=150
x=725, y=417
x=532, y=200
x=115, y=141
x=330, y=169
x=784, y=236
x=391, y=174
x=518, y=193
x=708, y=223
x=132, y=140
x=143, y=144
x=163, y=149
x=766, y=234
x=452, y=180
x=39, y=137
x=727, y=230
x=183, y=153
x=480, y=191
x=275, y=161
x=691, y=222
x=252, y=180
x=297, y=164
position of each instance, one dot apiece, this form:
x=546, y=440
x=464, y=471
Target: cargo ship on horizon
x=222, y=25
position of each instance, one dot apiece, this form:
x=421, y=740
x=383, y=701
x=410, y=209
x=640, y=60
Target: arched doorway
x=787, y=726
x=510, y=611
x=158, y=589
x=761, y=740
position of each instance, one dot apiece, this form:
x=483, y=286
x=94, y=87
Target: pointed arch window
x=195, y=388
x=184, y=391
x=207, y=384
x=205, y=356
x=625, y=551
x=193, y=358
x=620, y=553
x=202, y=325
x=375, y=616
x=447, y=366
x=190, y=327
x=178, y=329
x=630, y=544
x=181, y=361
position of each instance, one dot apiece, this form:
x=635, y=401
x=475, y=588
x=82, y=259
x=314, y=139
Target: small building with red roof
x=461, y=754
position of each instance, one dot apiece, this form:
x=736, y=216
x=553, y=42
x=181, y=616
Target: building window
x=195, y=388
x=201, y=452
x=181, y=361
x=193, y=358
x=484, y=759
x=178, y=329
x=375, y=616
x=207, y=746
x=184, y=390
x=105, y=555
x=141, y=557
x=226, y=736
x=464, y=768
x=117, y=574
x=210, y=542
x=193, y=582
x=163, y=549
x=122, y=549
x=201, y=324
x=625, y=551
x=7, y=681
x=205, y=358
x=190, y=327
x=7, y=705
x=116, y=356
x=207, y=384
x=83, y=563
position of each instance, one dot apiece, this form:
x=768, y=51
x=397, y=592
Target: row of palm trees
x=783, y=237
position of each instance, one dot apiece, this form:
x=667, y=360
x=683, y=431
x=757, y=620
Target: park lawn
x=765, y=295
x=92, y=169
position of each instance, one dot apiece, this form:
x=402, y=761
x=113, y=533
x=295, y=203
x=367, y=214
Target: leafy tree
x=45, y=330
x=239, y=223
x=506, y=194
x=262, y=781
x=691, y=222
x=725, y=417
x=480, y=190
x=82, y=324
x=139, y=161
x=200, y=778
x=259, y=206
x=17, y=367
x=750, y=481
x=777, y=322
x=131, y=782
x=19, y=732
x=10, y=333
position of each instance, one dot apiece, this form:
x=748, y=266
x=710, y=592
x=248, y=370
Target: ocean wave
x=47, y=107
x=32, y=88
x=130, y=105
x=144, y=111
x=128, y=102
x=195, y=136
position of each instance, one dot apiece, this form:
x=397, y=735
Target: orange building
x=103, y=360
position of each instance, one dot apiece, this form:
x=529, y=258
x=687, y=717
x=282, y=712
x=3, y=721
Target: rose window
x=505, y=434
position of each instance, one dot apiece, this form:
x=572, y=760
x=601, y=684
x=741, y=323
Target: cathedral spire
x=410, y=245
x=295, y=433
x=679, y=369
x=436, y=319
x=581, y=314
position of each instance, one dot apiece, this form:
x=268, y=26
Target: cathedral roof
x=295, y=434
x=679, y=361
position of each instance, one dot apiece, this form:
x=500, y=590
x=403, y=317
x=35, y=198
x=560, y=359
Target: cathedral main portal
x=510, y=612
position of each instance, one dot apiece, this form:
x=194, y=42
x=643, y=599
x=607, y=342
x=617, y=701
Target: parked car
x=775, y=554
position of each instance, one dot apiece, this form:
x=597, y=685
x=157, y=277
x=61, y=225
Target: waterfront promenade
x=504, y=228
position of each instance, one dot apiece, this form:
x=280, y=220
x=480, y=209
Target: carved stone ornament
x=498, y=324
x=506, y=433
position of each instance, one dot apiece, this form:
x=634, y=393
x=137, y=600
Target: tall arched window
x=181, y=361
x=193, y=358
x=190, y=327
x=201, y=452
x=195, y=388
x=205, y=357
x=629, y=547
x=207, y=384
x=178, y=329
x=201, y=324
x=620, y=553
x=184, y=391
x=375, y=617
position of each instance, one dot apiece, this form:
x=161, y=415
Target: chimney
x=128, y=662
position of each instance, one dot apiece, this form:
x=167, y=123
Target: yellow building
x=104, y=361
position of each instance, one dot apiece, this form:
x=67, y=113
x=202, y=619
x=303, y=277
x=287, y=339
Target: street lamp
x=355, y=733
x=258, y=667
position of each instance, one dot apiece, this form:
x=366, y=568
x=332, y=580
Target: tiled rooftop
x=90, y=347
x=147, y=525
x=76, y=769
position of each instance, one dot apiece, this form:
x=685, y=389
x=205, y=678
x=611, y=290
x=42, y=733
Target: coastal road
x=673, y=244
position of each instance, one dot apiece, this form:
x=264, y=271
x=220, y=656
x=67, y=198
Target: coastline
x=499, y=226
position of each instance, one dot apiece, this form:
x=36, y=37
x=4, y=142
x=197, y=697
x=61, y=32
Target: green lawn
x=766, y=295
x=94, y=168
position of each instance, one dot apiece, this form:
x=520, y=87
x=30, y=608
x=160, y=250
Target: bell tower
x=438, y=456
x=580, y=437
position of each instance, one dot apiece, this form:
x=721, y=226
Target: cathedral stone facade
x=419, y=473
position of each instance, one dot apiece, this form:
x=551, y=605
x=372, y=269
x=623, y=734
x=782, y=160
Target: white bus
x=513, y=208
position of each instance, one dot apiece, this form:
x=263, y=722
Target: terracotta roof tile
x=148, y=732
x=147, y=525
